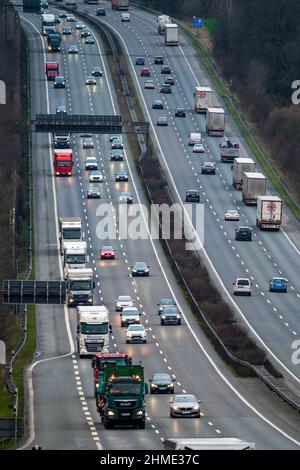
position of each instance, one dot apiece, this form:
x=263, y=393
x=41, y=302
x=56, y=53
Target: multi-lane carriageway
x=61, y=404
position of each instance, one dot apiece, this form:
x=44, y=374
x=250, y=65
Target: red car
x=107, y=252
x=145, y=73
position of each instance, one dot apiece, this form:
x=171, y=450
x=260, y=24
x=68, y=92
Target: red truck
x=63, y=162
x=52, y=70
x=120, y=4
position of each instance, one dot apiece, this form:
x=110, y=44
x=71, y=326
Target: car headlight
x=146, y=270
x=163, y=317
x=90, y=300
x=175, y=407
x=170, y=385
x=178, y=317
x=134, y=270
x=154, y=385
x=71, y=301
x=140, y=413
x=111, y=413
x=196, y=407
x=97, y=385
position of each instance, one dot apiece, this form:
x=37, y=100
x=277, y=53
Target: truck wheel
x=142, y=425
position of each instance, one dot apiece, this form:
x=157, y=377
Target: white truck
x=74, y=256
x=80, y=287
x=215, y=122
x=241, y=166
x=162, y=20
x=207, y=443
x=203, y=99
x=269, y=212
x=48, y=23
x=171, y=34
x=229, y=151
x=92, y=330
x=194, y=138
x=70, y=230
x=254, y=184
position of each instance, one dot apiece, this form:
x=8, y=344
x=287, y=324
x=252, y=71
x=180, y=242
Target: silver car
x=73, y=49
x=123, y=301
x=88, y=143
x=91, y=81
x=91, y=163
x=96, y=176
x=184, y=406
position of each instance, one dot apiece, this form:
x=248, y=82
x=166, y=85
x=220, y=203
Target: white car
x=149, y=85
x=71, y=18
x=91, y=163
x=232, y=214
x=136, y=334
x=79, y=25
x=123, y=301
x=198, y=148
x=242, y=286
x=96, y=176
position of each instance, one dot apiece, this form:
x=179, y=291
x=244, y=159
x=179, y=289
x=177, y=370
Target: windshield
x=75, y=259
x=125, y=389
x=94, y=328
x=81, y=285
x=66, y=163
x=72, y=234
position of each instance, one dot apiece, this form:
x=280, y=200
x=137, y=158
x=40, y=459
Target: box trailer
x=269, y=212
x=254, y=184
x=241, y=166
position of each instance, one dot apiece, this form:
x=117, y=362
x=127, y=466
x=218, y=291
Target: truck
x=70, y=230
x=92, y=330
x=269, y=212
x=229, y=151
x=53, y=41
x=120, y=4
x=254, y=184
x=52, y=70
x=100, y=361
x=215, y=122
x=61, y=140
x=241, y=166
x=80, y=287
x=162, y=20
x=48, y=23
x=171, y=34
x=203, y=99
x=63, y=162
x=207, y=443
x=122, y=396
x=74, y=256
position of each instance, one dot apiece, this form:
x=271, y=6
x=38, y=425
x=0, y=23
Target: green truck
x=53, y=41
x=122, y=396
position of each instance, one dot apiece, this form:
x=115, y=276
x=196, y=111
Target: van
x=125, y=17
x=194, y=138
x=242, y=286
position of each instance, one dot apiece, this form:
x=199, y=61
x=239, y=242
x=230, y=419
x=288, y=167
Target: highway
x=62, y=402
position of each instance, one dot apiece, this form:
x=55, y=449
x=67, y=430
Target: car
x=91, y=163
x=97, y=72
x=107, y=252
x=93, y=193
x=232, y=214
x=157, y=104
x=121, y=175
x=165, y=88
x=57, y=19
x=180, y=112
x=278, y=284
x=71, y=18
x=44, y=4
x=149, y=85
x=165, y=303
x=198, y=148
x=125, y=16
x=140, y=269
x=192, y=195
x=73, y=49
x=100, y=12
x=85, y=32
x=63, y=14
x=170, y=316
x=117, y=143
x=129, y=316
x=161, y=383
x=61, y=109
x=90, y=40
x=136, y=334
x=140, y=61
x=162, y=121
x=79, y=25
x=115, y=136
x=126, y=197
x=170, y=80
x=116, y=155
x=243, y=234
x=242, y=286
x=208, y=168
x=145, y=73
x=185, y=405
x=158, y=60
x=166, y=69
x=91, y=80
x=123, y=301
x=96, y=176
x=59, y=82
x=88, y=143
x=66, y=31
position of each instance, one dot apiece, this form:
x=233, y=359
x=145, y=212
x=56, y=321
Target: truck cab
x=99, y=362
x=63, y=162
x=74, y=256
x=92, y=330
x=54, y=41
x=229, y=151
x=80, y=287
x=52, y=70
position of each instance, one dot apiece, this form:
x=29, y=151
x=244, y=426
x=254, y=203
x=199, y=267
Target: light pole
x=16, y=414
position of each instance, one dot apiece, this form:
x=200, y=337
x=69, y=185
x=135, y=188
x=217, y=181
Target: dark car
x=208, y=168
x=180, y=112
x=140, y=61
x=170, y=80
x=166, y=88
x=170, y=316
x=116, y=155
x=162, y=121
x=159, y=60
x=61, y=109
x=85, y=32
x=157, y=104
x=97, y=72
x=192, y=196
x=126, y=197
x=67, y=31
x=140, y=269
x=243, y=234
x=165, y=303
x=93, y=193
x=166, y=69
x=121, y=175
x=161, y=383
x=59, y=82
x=89, y=40
x=100, y=12
x=57, y=19
x=63, y=15
x=73, y=49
